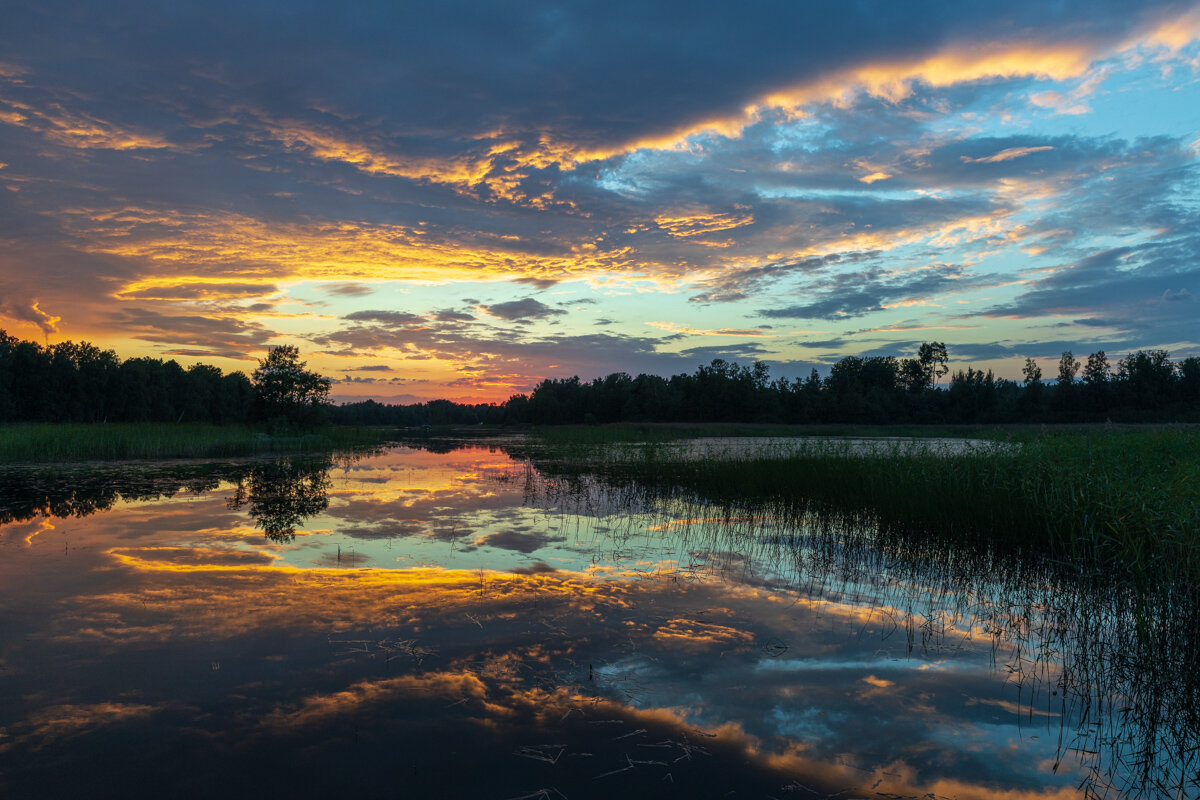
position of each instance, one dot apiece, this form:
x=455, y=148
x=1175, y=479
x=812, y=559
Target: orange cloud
x=696, y=634
x=698, y=223
x=196, y=250
x=76, y=129
x=67, y=721
x=31, y=313
x=894, y=80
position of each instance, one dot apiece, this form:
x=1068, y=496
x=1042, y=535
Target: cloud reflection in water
x=534, y=647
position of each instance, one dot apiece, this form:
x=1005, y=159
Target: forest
x=1144, y=386
x=79, y=382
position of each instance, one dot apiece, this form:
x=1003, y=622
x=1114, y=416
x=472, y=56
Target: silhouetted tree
x=1068, y=367
x=924, y=371
x=1145, y=380
x=287, y=395
x=1065, y=395
x=1095, y=380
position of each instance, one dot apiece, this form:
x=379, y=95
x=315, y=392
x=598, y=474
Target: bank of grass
x=45, y=443
x=582, y=435
x=1124, y=503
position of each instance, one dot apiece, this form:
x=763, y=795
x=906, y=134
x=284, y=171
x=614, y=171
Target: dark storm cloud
x=27, y=310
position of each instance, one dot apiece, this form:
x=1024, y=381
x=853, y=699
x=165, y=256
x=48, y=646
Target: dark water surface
x=459, y=624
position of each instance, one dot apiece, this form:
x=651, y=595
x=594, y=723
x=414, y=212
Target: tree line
x=1144, y=386
x=79, y=382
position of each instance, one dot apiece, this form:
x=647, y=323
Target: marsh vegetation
x=558, y=616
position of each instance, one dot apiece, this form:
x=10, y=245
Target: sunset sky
x=458, y=199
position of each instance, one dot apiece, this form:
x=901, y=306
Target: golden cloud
x=76, y=129
x=192, y=251
x=696, y=223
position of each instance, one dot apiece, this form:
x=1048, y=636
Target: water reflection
x=279, y=495
x=78, y=491
x=503, y=631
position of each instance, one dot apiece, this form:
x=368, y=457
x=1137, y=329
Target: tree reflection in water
x=83, y=490
x=1111, y=671
x=280, y=493
x=283, y=493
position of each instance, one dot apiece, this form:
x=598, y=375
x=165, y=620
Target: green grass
x=45, y=443
x=562, y=435
x=1117, y=503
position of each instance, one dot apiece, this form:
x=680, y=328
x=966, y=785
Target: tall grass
x=1120, y=503
x=574, y=435
x=43, y=443
x=1088, y=539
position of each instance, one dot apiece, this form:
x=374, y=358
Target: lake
x=458, y=620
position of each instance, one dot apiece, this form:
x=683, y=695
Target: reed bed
x=1120, y=504
x=576, y=435
x=1119, y=657
x=43, y=443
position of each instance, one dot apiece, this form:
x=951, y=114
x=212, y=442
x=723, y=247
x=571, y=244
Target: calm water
x=459, y=624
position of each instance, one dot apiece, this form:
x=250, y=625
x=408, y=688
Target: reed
x=574, y=435
x=1123, y=504
x=44, y=443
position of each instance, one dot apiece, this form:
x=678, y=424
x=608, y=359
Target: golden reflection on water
x=881, y=688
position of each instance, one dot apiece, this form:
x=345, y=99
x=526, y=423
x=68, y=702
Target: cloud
x=31, y=313
x=348, y=289
x=199, y=290
x=1132, y=290
x=833, y=172
x=396, y=318
x=212, y=334
x=450, y=315
x=520, y=310
x=519, y=541
x=1008, y=154
x=855, y=294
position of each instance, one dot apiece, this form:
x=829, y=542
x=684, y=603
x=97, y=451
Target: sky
x=460, y=199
